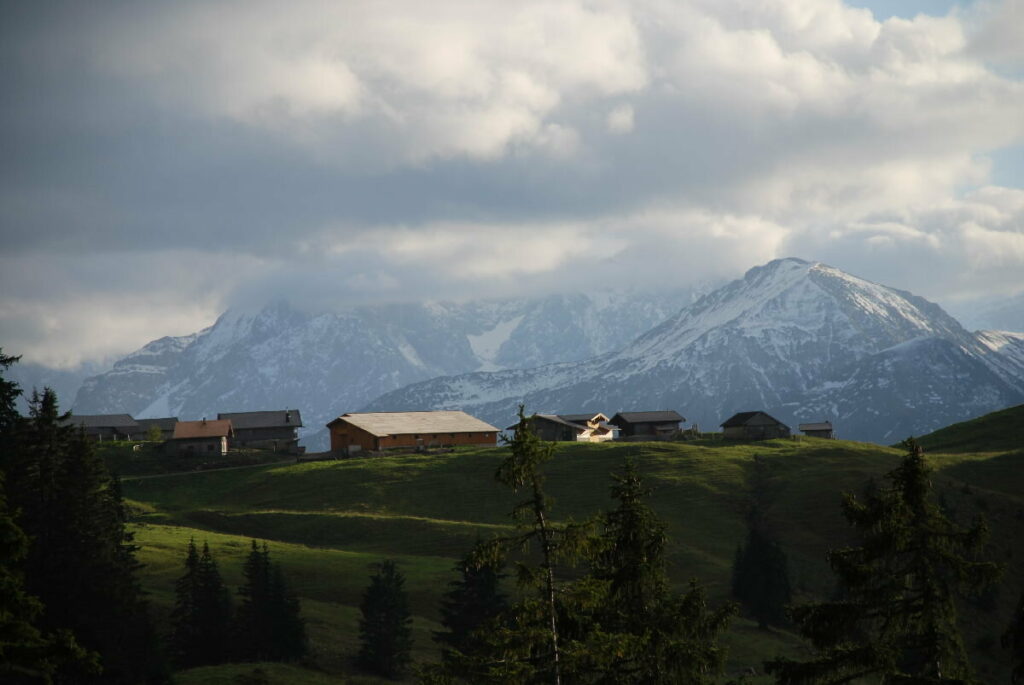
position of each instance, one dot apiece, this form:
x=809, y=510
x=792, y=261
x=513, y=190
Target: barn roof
x=822, y=426
x=381, y=424
x=647, y=417
x=102, y=421
x=164, y=424
x=280, y=418
x=583, y=418
x=215, y=428
x=554, y=418
x=741, y=418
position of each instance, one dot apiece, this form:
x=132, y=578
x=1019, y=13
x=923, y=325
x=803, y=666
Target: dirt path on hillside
x=125, y=479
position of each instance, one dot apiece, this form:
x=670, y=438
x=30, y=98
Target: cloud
x=193, y=155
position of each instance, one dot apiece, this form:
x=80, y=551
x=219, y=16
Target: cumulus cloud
x=343, y=152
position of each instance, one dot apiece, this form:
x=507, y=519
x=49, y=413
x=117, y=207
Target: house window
x=451, y=435
x=417, y=436
x=209, y=448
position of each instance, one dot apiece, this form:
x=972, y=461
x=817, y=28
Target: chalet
x=753, y=425
x=653, y=424
x=201, y=437
x=818, y=430
x=165, y=425
x=571, y=427
x=276, y=430
x=102, y=427
x=386, y=430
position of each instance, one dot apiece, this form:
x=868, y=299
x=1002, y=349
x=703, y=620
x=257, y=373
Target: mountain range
x=801, y=340
x=328, y=363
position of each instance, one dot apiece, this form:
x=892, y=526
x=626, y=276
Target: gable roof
x=381, y=424
x=583, y=418
x=164, y=424
x=741, y=419
x=102, y=421
x=215, y=428
x=553, y=418
x=281, y=418
x=647, y=417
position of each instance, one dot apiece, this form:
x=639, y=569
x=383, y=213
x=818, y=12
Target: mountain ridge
x=792, y=337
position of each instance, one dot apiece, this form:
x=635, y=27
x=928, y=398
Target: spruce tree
x=1013, y=639
x=80, y=561
x=897, y=621
x=201, y=618
x=645, y=632
x=385, y=627
x=268, y=623
x=473, y=602
x=760, y=575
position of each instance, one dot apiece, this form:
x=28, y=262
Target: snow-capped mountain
x=329, y=363
x=803, y=341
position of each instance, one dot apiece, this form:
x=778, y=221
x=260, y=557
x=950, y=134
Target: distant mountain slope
x=803, y=341
x=995, y=432
x=329, y=363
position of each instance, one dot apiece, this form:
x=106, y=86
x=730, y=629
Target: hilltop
x=1000, y=431
x=327, y=521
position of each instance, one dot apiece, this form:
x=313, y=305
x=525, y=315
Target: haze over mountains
x=801, y=340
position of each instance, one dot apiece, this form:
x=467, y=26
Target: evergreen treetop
x=898, y=618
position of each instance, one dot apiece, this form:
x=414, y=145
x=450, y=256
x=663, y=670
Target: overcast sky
x=162, y=161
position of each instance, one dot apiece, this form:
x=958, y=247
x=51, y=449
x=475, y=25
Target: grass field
x=328, y=522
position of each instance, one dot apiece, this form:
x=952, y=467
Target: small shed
x=822, y=429
x=102, y=427
x=654, y=424
x=165, y=425
x=201, y=437
x=754, y=425
x=276, y=430
x=387, y=430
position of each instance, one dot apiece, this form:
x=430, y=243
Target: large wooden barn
x=753, y=425
x=277, y=430
x=652, y=424
x=387, y=430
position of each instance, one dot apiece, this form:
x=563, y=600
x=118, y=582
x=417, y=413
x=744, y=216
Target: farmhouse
x=201, y=437
x=102, y=427
x=165, y=425
x=818, y=430
x=276, y=430
x=647, y=423
x=385, y=430
x=571, y=427
x=753, y=425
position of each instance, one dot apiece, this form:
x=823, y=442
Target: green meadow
x=328, y=522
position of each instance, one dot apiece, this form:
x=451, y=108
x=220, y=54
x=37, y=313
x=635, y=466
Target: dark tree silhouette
x=385, y=627
x=201, y=619
x=760, y=575
x=897, y=620
x=268, y=623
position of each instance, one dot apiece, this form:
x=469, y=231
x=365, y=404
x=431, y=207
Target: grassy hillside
x=1000, y=431
x=328, y=521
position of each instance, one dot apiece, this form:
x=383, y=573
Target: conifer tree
x=80, y=562
x=646, y=632
x=268, y=623
x=760, y=575
x=474, y=602
x=201, y=618
x=1013, y=639
x=385, y=627
x=897, y=621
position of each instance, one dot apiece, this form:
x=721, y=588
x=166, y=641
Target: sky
x=164, y=161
